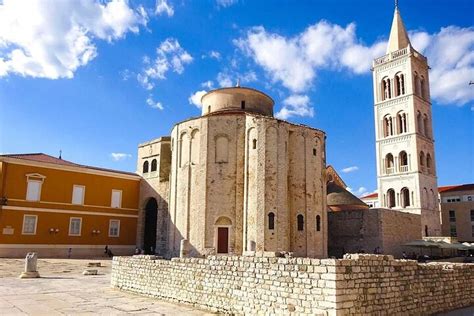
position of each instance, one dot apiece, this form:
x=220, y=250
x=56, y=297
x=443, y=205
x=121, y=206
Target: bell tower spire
x=398, y=34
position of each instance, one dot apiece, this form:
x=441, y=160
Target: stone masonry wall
x=357, y=285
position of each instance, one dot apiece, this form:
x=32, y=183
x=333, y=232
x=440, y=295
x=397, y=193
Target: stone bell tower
x=406, y=172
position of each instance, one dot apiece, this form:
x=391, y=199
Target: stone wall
x=358, y=284
x=365, y=230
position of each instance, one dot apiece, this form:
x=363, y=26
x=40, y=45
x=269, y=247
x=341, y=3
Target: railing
x=404, y=168
x=391, y=56
x=389, y=170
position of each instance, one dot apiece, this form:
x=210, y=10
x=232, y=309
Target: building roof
x=398, y=34
x=460, y=187
x=441, y=189
x=40, y=157
x=339, y=196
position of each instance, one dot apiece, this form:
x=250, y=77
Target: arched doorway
x=149, y=238
x=223, y=226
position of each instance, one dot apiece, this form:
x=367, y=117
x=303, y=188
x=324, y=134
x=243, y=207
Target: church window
x=416, y=84
x=195, y=147
x=405, y=195
x=386, y=89
x=399, y=84
x=419, y=122
x=208, y=109
x=242, y=105
x=402, y=122
x=300, y=222
x=153, y=165
x=428, y=162
x=318, y=223
x=391, y=198
x=426, y=230
x=425, y=126
x=403, y=159
x=422, y=87
x=389, y=169
x=422, y=161
x=222, y=149
x=314, y=151
x=145, y=167
x=254, y=144
x=387, y=126
x=271, y=220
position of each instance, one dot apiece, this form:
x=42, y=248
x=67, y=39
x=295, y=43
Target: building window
x=78, y=194
x=318, y=223
x=428, y=163
x=242, y=105
x=75, y=225
x=29, y=224
x=403, y=159
x=271, y=220
x=452, y=216
x=33, y=191
x=387, y=126
x=254, y=146
x=405, y=195
x=391, y=198
x=426, y=230
x=472, y=216
x=145, y=167
x=452, y=230
x=389, y=169
x=114, y=228
x=314, y=151
x=116, y=199
x=300, y=222
x=153, y=165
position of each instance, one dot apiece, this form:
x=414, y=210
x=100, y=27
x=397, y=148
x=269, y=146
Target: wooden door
x=222, y=239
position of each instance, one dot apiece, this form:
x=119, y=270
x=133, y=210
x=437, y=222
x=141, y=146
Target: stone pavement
x=63, y=290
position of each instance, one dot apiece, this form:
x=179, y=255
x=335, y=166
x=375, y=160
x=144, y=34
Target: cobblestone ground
x=63, y=290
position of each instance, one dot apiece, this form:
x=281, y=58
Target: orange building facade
x=61, y=209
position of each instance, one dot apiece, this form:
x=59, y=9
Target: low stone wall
x=359, y=284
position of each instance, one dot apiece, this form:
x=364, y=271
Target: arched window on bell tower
x=389, y=169
x=402, y=123
x=387, y=126
x=399, y=84
x=386, y=88
x=391, y=198
x=403, y=160
x=419, y=123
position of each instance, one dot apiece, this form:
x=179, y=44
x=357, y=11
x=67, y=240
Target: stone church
x=234, y=179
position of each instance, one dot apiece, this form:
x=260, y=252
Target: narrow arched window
x=405, y=197
x=403, y=159
x=271, y=220
x=318, y=223
x=428, y=162
x=419, y=122
x=254, y=144
x=389, y=167
x=391, y=198
x=426, y=230
x=422, y=161
x=422, y=87
x=242, y=105
x=145, y=167
x=300, y=222
x=426, y=126
x=153, y=165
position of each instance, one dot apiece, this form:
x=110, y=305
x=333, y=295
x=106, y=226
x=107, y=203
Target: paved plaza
x=63, y=290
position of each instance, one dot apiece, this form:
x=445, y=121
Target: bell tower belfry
x=406, y=170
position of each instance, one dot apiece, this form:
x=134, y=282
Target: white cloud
x=119, y=156
x=162, y=6
x=229, y=79
x=450, y=54
x=208, y=84
x=170, y=57
x=153, y=104
x=295, y=105
x=350, y=169
x=195, y=98
x=358, y=192
x=295, y=61
x=226, y=3
x=213, y=54
x=52, y=39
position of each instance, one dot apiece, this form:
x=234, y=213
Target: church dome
x=237, y=99
x=339, y=199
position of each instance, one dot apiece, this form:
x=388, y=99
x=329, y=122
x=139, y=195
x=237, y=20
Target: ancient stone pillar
x=31, y=261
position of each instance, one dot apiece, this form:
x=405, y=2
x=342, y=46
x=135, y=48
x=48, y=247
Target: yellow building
x=58, y=208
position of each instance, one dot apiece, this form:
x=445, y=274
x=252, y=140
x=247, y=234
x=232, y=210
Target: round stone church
x=235, y=179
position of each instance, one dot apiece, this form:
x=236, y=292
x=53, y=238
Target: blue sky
x=94, y=79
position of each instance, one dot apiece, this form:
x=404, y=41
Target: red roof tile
x=40, y=157
x=452, y=188
x=369, y=196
